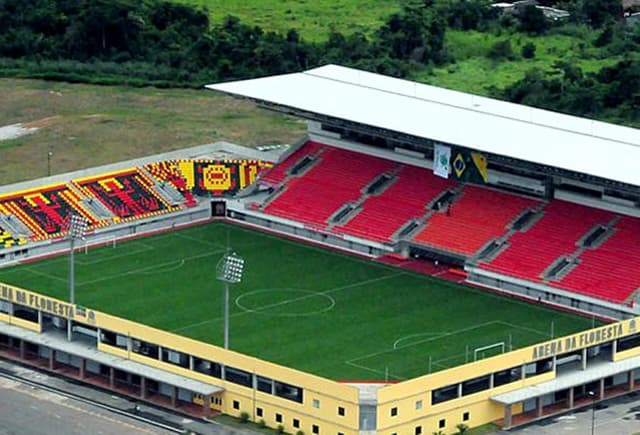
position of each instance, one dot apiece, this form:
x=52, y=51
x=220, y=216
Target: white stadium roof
x=512, y=130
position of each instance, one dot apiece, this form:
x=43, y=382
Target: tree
x=501, y=50
x=532, y=20
x=599, y=12
x=528, y=50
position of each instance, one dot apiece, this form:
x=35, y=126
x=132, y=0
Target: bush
x=462, y=428
x=262, y=423
x=280, y=429
x=244, y=417
x=501, y=50
x=529, y=50
x=300, y=432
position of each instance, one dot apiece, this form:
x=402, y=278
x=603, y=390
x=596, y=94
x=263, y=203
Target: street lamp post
x=592, y=394
x=49, y=154
x=229, y=270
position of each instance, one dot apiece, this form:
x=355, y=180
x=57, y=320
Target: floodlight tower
x=77, y=230
x=229, y=270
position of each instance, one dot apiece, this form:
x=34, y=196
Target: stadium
x=421, y=259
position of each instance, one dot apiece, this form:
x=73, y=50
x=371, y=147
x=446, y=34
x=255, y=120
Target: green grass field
x=302, y=306
x=313, y=19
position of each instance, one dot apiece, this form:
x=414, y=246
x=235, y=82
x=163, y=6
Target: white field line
x=145, y=269
x=419, y=334
x=378, y=372
x=288, y=301
x=145, y=248
x=46, y=275
x=204, y=242
x=525, y=328
x=426, y=340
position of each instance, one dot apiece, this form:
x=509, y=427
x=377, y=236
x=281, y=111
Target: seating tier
x=46, y=210
x=477, y=217
x=126, y=193
x=279, y=172
x=381, y=216
x=554, y=235
x=337, y=179
x=612, y=271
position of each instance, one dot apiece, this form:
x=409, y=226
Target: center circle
x=271, y=299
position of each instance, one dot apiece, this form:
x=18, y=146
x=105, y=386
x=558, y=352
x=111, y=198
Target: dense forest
x=170, y=45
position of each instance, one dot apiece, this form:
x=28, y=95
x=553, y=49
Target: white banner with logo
x=441, y=160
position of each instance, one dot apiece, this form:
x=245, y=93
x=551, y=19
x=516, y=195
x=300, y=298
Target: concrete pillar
x=523, y=372
x=491, y=380
x=571, y=398
x=40, y=318
x=631, y=380
x=507, y=416
x=460, y=390
x=601, y=388
x=174, y=397
x=614, y=350
x=112, y=377
x=190, y=362
x=143, y=387
x=584, y=358
x=22, y=349
x=52, y=359
x=83, y=368
x=538, y=406
x=223, y=372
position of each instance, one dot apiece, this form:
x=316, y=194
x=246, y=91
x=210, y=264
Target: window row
x=206, y=367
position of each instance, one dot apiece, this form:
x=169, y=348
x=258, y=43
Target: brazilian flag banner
x=469, y=166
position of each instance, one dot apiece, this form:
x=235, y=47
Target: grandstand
x=538, y=222
x=515, y=201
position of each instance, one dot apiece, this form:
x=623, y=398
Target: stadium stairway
x=337, y=178
x=556, y=235
x=601, y=273
x=474, y=218
x=406, y=197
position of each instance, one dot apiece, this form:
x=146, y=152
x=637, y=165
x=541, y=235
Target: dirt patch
x=41, y=123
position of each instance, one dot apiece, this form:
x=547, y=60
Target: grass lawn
x=301, y=306
x=313, y=19
x=474, y=72
x=88, y=125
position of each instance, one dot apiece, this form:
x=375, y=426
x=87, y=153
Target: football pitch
x=305, y=307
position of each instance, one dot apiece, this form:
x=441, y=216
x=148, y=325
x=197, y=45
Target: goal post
x=482, y=350
x=102, y=242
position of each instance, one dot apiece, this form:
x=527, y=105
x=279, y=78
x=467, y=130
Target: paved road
x=26, y=410
x=31, y=411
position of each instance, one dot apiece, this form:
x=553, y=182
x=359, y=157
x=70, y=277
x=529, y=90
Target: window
x=259, y=412
x=315, y=429
x=442, y=423
x=419, y=404
x=207, y=367
x=394, y=411
x=236, y=404
x=278, y=418
x=418, y=430
x=507, y=376
x=287, y=391
x=296, y=423
x=316, y=403
x=341, y=411
x=238, y=376
x=465, y=416
x=443, y=394
x=475, y=385
x=264, y=384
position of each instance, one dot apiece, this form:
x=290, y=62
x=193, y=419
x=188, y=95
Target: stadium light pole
x=77, y=229
x=229, y=270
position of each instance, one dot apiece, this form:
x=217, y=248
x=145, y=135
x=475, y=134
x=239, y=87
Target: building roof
x=484, y=124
